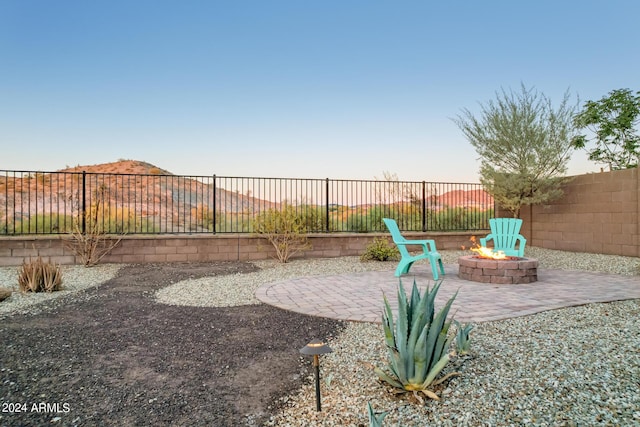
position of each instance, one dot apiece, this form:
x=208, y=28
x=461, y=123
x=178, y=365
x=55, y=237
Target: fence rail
x=63, y=202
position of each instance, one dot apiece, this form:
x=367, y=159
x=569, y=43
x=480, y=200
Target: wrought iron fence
x=63, y=202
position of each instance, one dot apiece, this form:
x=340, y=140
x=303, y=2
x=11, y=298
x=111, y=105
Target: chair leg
x=436, y=262
x=403, y=268
x=441, y=265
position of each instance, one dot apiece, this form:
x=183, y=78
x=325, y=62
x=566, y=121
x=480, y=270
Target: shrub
x=39, y=276
x=418, y=343
x=284, y=229
x=313, y=217
x=380, y=250
x=91, y=244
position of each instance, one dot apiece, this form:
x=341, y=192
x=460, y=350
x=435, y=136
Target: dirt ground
x=112, y=356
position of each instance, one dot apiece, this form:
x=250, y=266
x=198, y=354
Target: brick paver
x=358, y=296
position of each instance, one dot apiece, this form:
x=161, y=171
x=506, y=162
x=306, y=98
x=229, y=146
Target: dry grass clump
x=39, y=276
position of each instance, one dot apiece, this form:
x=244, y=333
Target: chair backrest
x=393, y=229
x=505, y=231
x=396, y=236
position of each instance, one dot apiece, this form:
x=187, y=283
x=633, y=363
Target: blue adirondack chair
x=505, y=233
x=429, y=251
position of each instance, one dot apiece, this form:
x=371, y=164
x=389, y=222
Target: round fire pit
x=508, y=271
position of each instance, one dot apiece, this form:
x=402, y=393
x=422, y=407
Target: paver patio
x=358, y=296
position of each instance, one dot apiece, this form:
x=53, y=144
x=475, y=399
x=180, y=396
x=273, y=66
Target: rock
x=4, y=293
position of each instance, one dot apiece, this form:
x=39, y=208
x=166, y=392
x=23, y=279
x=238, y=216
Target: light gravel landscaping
x=566, y=367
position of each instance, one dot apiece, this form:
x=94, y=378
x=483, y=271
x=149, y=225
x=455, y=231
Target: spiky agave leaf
x=388, y=379
x=387, y=324
x=375, y=419
x=402, y=325
x=414, y=302
x=434, y=332
x=434, y=371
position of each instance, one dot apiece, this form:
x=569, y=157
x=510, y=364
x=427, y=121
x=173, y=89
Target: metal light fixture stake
x=315, y=348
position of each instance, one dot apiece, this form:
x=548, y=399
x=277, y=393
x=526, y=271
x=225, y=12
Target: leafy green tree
x=524, y=146
x=612, y=120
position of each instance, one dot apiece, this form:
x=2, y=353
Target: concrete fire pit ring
x=510, y=271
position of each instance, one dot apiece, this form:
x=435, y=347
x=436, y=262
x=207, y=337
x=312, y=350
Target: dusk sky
x=338, y=89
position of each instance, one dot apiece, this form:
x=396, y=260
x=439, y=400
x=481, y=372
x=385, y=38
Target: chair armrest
x=484, y=240
x=428, y=245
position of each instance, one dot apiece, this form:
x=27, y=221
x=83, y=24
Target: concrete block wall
x=598, y=213
x=204, y=248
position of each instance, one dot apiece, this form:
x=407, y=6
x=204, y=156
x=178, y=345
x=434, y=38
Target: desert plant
x=380, y=250
x=418, y=342
x=375, y=418
x=91, y=244
x=284, y=229
x=462, y=338
x=39, y=276
x=524, y=145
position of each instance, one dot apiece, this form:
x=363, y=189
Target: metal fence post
x=326, y=225
x=424, y=206
x=214, y=203
x=84, y=202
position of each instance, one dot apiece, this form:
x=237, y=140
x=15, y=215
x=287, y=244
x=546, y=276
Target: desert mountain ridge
x=146, y=191
x=135, y=167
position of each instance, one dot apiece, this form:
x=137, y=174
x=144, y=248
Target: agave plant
x=418, y=342
x=462, y=337
x=375, y=419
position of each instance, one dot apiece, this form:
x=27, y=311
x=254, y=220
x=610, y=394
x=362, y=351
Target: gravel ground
x=568, y=367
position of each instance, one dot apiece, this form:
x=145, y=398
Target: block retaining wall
x=205, y=248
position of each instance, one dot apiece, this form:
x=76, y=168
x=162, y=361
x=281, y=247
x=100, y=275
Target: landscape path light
x=315, y=348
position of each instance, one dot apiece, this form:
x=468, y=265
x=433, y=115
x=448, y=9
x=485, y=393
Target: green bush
x=380, y=250
x=284, y=229
x=314, y=218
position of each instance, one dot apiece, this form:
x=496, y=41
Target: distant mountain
x=135, y=167
x=466, y=198
x=157, y=195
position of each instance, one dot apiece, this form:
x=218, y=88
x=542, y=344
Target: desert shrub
x=380, y=250
x=284, y=229
x=375, y=215
x=44, y=223
x=313, y=217
x=92, y=243
x=203, y=216
x=39, y=276
x=458, y=218
x=418, y=343
x=356, y=220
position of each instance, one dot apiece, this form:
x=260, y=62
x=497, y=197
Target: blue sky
x=339, y=89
